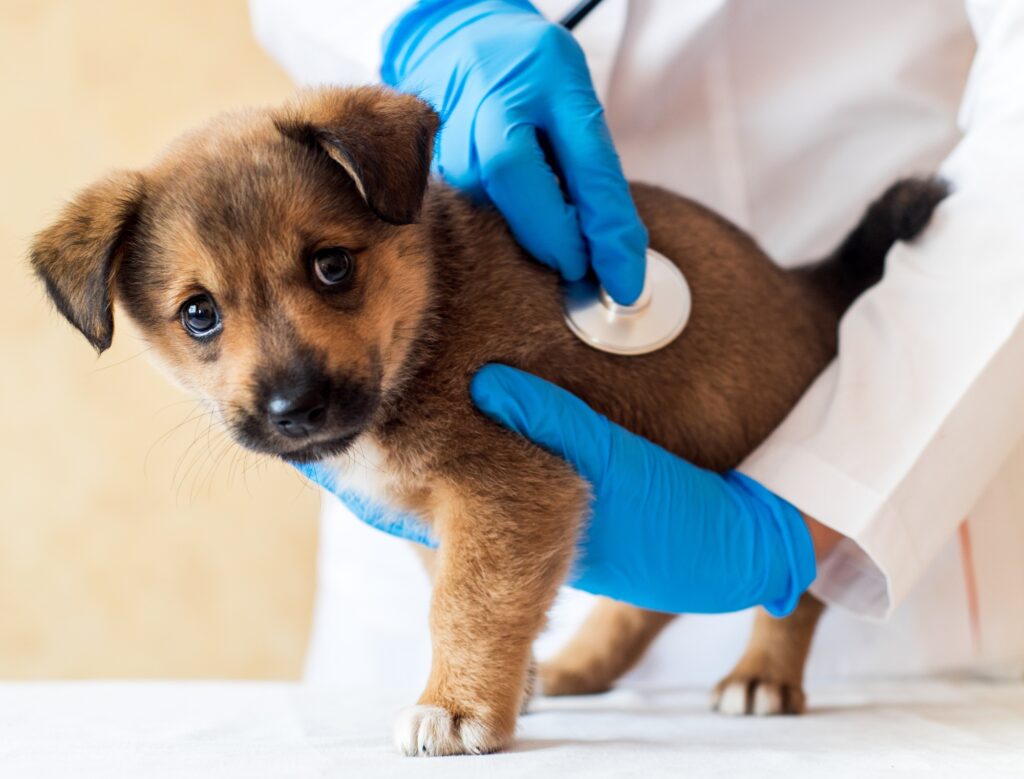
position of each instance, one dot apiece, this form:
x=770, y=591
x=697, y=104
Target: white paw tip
x=430, y=731
x=733, y=699
x=767, y=700
x=475, y=738
x=421, y=730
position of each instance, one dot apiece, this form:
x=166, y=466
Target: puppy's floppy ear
x=76, y=256
x=383, y=139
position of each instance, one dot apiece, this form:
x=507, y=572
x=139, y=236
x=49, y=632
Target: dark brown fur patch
x=385, y=141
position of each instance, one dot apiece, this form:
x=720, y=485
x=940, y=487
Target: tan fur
x=237, y=210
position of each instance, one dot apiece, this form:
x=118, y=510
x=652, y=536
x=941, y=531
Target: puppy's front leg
x=506, y=545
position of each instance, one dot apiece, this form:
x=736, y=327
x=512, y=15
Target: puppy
x=298, y=269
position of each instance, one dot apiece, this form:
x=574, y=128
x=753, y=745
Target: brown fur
x=774, y=660
x=237, y=209
x=612, y=640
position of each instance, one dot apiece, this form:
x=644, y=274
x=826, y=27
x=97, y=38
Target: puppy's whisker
x=122, y=362
x=179, y=484
x=233, y=463
x=224, y=445
x=192, y=417
x=174, y=403
x=213, y=443
x=195, y=473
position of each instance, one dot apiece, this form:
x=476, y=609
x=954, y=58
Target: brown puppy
x=294, y=268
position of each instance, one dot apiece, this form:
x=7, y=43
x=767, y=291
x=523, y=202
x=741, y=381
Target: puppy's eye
x=333, y=267
x=199, y=316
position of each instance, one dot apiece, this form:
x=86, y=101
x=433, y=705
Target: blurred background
x=135, y=540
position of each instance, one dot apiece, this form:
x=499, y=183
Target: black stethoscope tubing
x=578, y=13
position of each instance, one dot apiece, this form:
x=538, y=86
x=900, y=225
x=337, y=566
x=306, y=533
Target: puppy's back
x=757, y=335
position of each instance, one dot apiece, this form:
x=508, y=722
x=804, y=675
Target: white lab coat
x=788, y=117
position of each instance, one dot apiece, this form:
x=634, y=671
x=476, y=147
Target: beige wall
x=127, y=549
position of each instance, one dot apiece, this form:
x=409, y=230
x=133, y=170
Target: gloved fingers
x=616, y=238
x=398, y=44
x=319, y=474
x=456, y=157
x=425, y=27
x=518, y=180
x=396, y=524
x=548, y=415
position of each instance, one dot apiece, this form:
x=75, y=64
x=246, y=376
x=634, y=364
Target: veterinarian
x=895, y=488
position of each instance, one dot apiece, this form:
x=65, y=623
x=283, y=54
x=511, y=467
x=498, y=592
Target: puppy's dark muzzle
x=302, y=414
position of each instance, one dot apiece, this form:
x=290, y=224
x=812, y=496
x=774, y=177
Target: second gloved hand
x=663, y=533
x=503, y=78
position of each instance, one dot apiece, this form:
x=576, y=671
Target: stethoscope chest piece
x=656, y=319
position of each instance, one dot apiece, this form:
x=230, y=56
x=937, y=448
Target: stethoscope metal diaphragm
x=655, y=320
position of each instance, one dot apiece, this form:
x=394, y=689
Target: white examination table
x=147, y=730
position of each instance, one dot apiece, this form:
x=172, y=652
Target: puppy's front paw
x=433, y=731
x=739, y=695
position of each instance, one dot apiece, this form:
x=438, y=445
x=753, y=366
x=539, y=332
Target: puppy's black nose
x=298, y=414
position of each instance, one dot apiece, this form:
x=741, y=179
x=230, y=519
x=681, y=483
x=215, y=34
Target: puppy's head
x=272, y=259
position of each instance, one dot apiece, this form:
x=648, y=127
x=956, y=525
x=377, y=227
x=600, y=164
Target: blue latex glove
x=663, y=533
x=500, y=76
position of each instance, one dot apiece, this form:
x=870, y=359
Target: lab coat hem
x=860, y=575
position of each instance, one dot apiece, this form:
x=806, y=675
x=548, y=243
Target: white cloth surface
x=252, y=730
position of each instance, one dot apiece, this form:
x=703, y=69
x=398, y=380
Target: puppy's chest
x=367, y=470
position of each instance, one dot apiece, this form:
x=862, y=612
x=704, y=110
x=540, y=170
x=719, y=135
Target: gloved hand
x=664, y=534
x=502, y=77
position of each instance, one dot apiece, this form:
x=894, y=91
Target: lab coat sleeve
x=897, y=439
x=325, y=41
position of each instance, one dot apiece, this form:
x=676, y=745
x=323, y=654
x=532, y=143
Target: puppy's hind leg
x=768, y=679
x=611, y=641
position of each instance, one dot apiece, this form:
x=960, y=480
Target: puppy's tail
x=900, y=214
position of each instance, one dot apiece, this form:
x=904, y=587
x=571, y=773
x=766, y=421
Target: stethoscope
x=660, y=313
